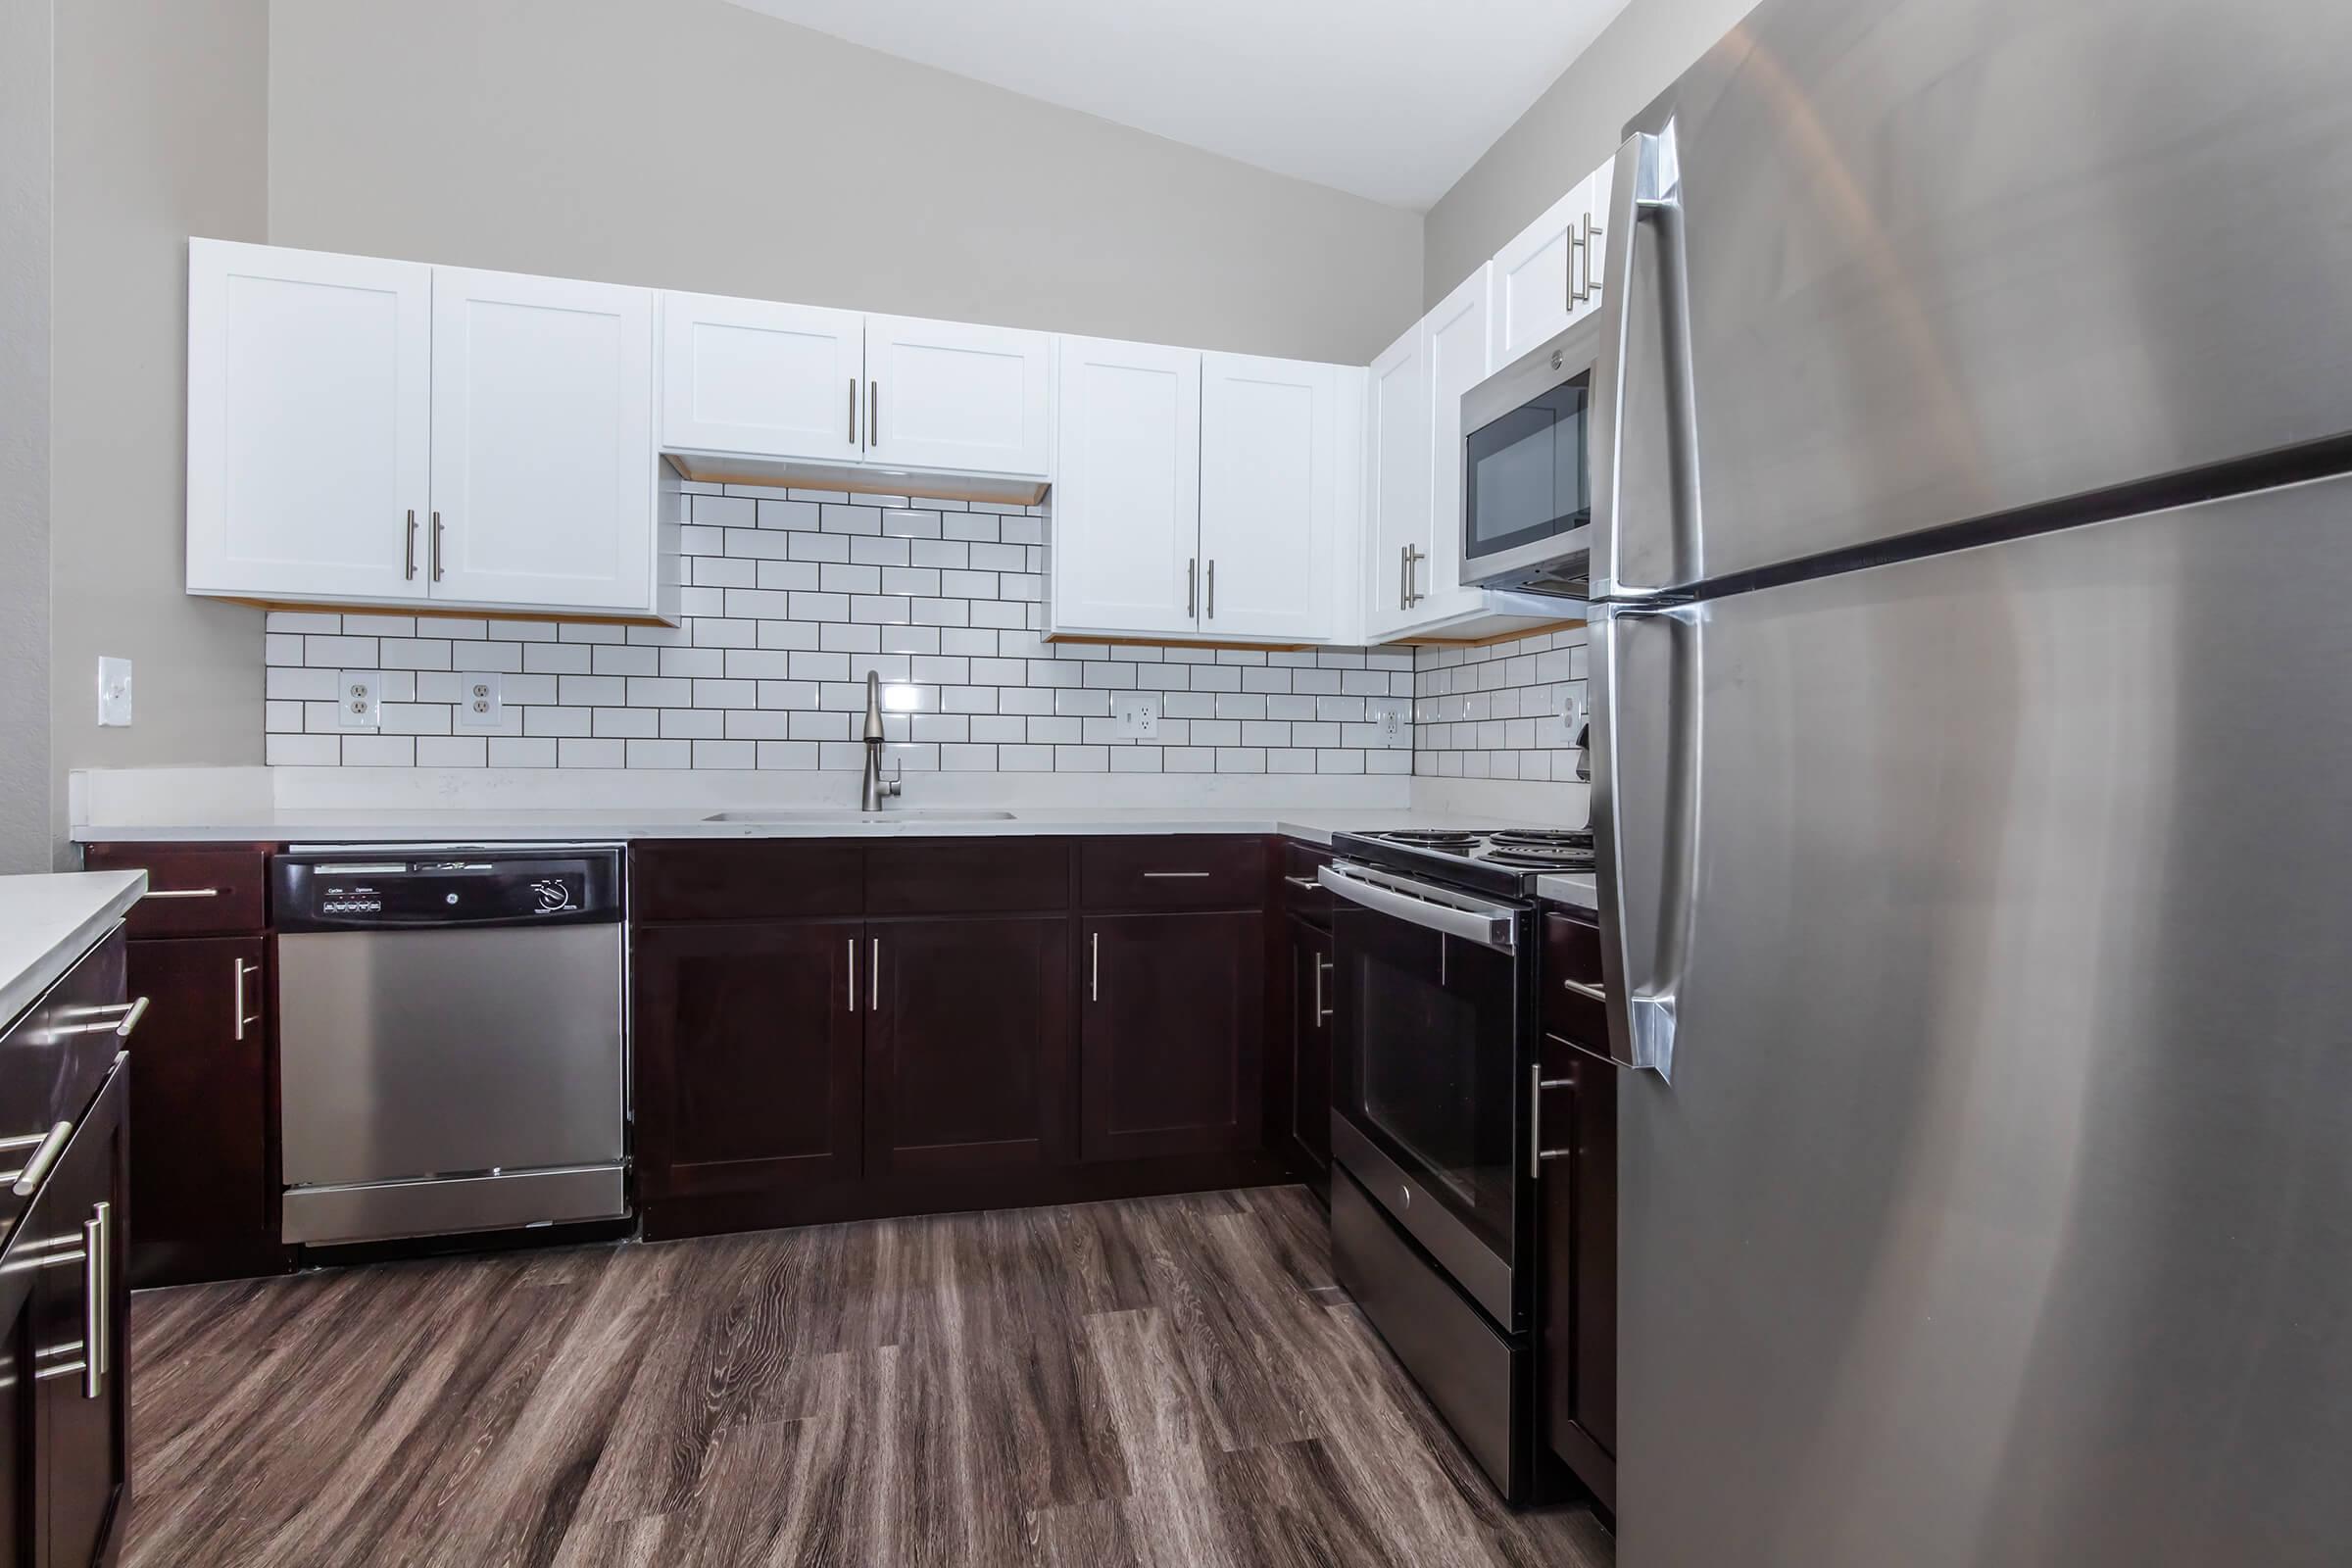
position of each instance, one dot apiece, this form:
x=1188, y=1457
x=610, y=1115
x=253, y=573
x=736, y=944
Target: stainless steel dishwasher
x=451, y=1049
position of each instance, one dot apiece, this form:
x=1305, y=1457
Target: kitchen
x=1068, y=843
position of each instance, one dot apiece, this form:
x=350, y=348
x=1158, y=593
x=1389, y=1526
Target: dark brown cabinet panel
x=1299, y=1082
x=203, y=1175
x=1578, y=1333
x=967, y=876
x=193, y=890
x=749, y=1056
x=1174, y=1019
x=745, y=879
x=1174, y=871
x=78, y=1320
x=967, y=1044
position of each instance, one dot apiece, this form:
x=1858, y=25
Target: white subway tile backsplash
x=791, y=598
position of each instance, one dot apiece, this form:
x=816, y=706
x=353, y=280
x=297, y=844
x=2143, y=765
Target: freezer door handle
x=1645, y=821
x=1646, y=198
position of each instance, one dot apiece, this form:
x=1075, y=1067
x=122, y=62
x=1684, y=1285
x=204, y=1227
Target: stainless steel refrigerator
x=1972, y=581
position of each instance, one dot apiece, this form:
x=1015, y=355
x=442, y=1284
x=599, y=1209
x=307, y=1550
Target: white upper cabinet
x=1397, y=520
x=543, y=441
x=1270, y=497
x=1456, y=337
x=1126, y=495
x=954, y=396
x=1550, y=275
x=762, y=378
x=309, y=402
x=1533, y=276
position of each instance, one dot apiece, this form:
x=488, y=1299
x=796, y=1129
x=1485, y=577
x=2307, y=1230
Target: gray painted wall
x=695, y=144
x=1569, y=130
x=160, y=134
x=27, y=28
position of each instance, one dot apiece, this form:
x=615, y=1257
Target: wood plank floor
x=1170, y=1382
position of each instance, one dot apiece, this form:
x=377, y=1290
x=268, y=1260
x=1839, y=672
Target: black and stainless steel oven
x=1527, y=472
x=1432, y=1216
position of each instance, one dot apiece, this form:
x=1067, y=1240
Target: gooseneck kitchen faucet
x=874, y=788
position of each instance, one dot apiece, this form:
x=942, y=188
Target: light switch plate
x=1136, y=715
x=114, y=692
x=358, y=700
x=481, y=704
x=1395, y=717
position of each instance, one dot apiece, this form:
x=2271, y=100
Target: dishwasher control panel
x=319, y=891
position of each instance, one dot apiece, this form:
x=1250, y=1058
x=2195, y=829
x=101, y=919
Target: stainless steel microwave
x=1527, y=476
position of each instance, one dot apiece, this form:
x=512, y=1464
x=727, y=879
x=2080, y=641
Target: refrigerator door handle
x=1647, y=196
x=1645, y=819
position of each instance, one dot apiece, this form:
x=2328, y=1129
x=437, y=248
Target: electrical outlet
x=481, y=704
x=114, y=692
x=1393, y=717
x=358, y=700
x=1572, y=713
x=1135, y=715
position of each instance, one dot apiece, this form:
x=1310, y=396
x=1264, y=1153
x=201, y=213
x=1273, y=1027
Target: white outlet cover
x=114, y=692
x=1394, y=715
x=1572, y=713
x=481, y=704
x=358, y=700
x=1136, y=715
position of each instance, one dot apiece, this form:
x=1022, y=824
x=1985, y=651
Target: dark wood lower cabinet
x=1578, y=1333
x=967, y=1044
x=66, y=1314
x=204, y=1176
x=1299, y=1082
x=749, y=1048
x=1174, y=1010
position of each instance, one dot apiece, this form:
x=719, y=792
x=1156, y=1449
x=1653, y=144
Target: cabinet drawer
x=1571, y=958
x=735, y=879
x=191, y=892
x=1301, y=894
x=967, y=876
x=1178, y=871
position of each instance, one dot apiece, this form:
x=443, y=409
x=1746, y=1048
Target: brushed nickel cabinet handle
x=409, y=554
x=181, y=893
x=1307, y=882
x=1150, y=876
x=436, y=547
x=1412, y=557
x=873, y=979
x=1322, y=968
x=53, y=1144
x=1213, y=588
x=1192, y=589
x=852, y=411
x=1537, y=1153
x=853, y=974
x=97, y=1312
x=874, y=414
x=239, y=969
x=1094, y=978
x=131, y=1019
x=1580, y=988
x=1592, y=231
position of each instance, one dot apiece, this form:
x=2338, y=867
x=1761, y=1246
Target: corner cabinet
x=390, y=433
x=1548, y=275
x=1204, y=497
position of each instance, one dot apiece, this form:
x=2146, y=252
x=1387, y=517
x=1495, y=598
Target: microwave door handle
x=1647, y=196
x=1487, y=925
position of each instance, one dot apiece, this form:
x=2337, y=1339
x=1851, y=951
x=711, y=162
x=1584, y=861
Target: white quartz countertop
x=459, y=825
x=47, y=922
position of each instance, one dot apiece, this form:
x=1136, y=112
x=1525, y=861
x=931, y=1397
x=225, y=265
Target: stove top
x=1505, y=861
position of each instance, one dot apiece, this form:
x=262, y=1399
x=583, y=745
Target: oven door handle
x=1489, y=925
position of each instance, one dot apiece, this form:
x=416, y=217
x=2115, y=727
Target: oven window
x=1525, y=476
x=1428, y=1033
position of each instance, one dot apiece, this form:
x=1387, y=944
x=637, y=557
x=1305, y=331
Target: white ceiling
x=1389, y=99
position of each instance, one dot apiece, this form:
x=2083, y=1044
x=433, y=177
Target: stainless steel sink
x=785, y=816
